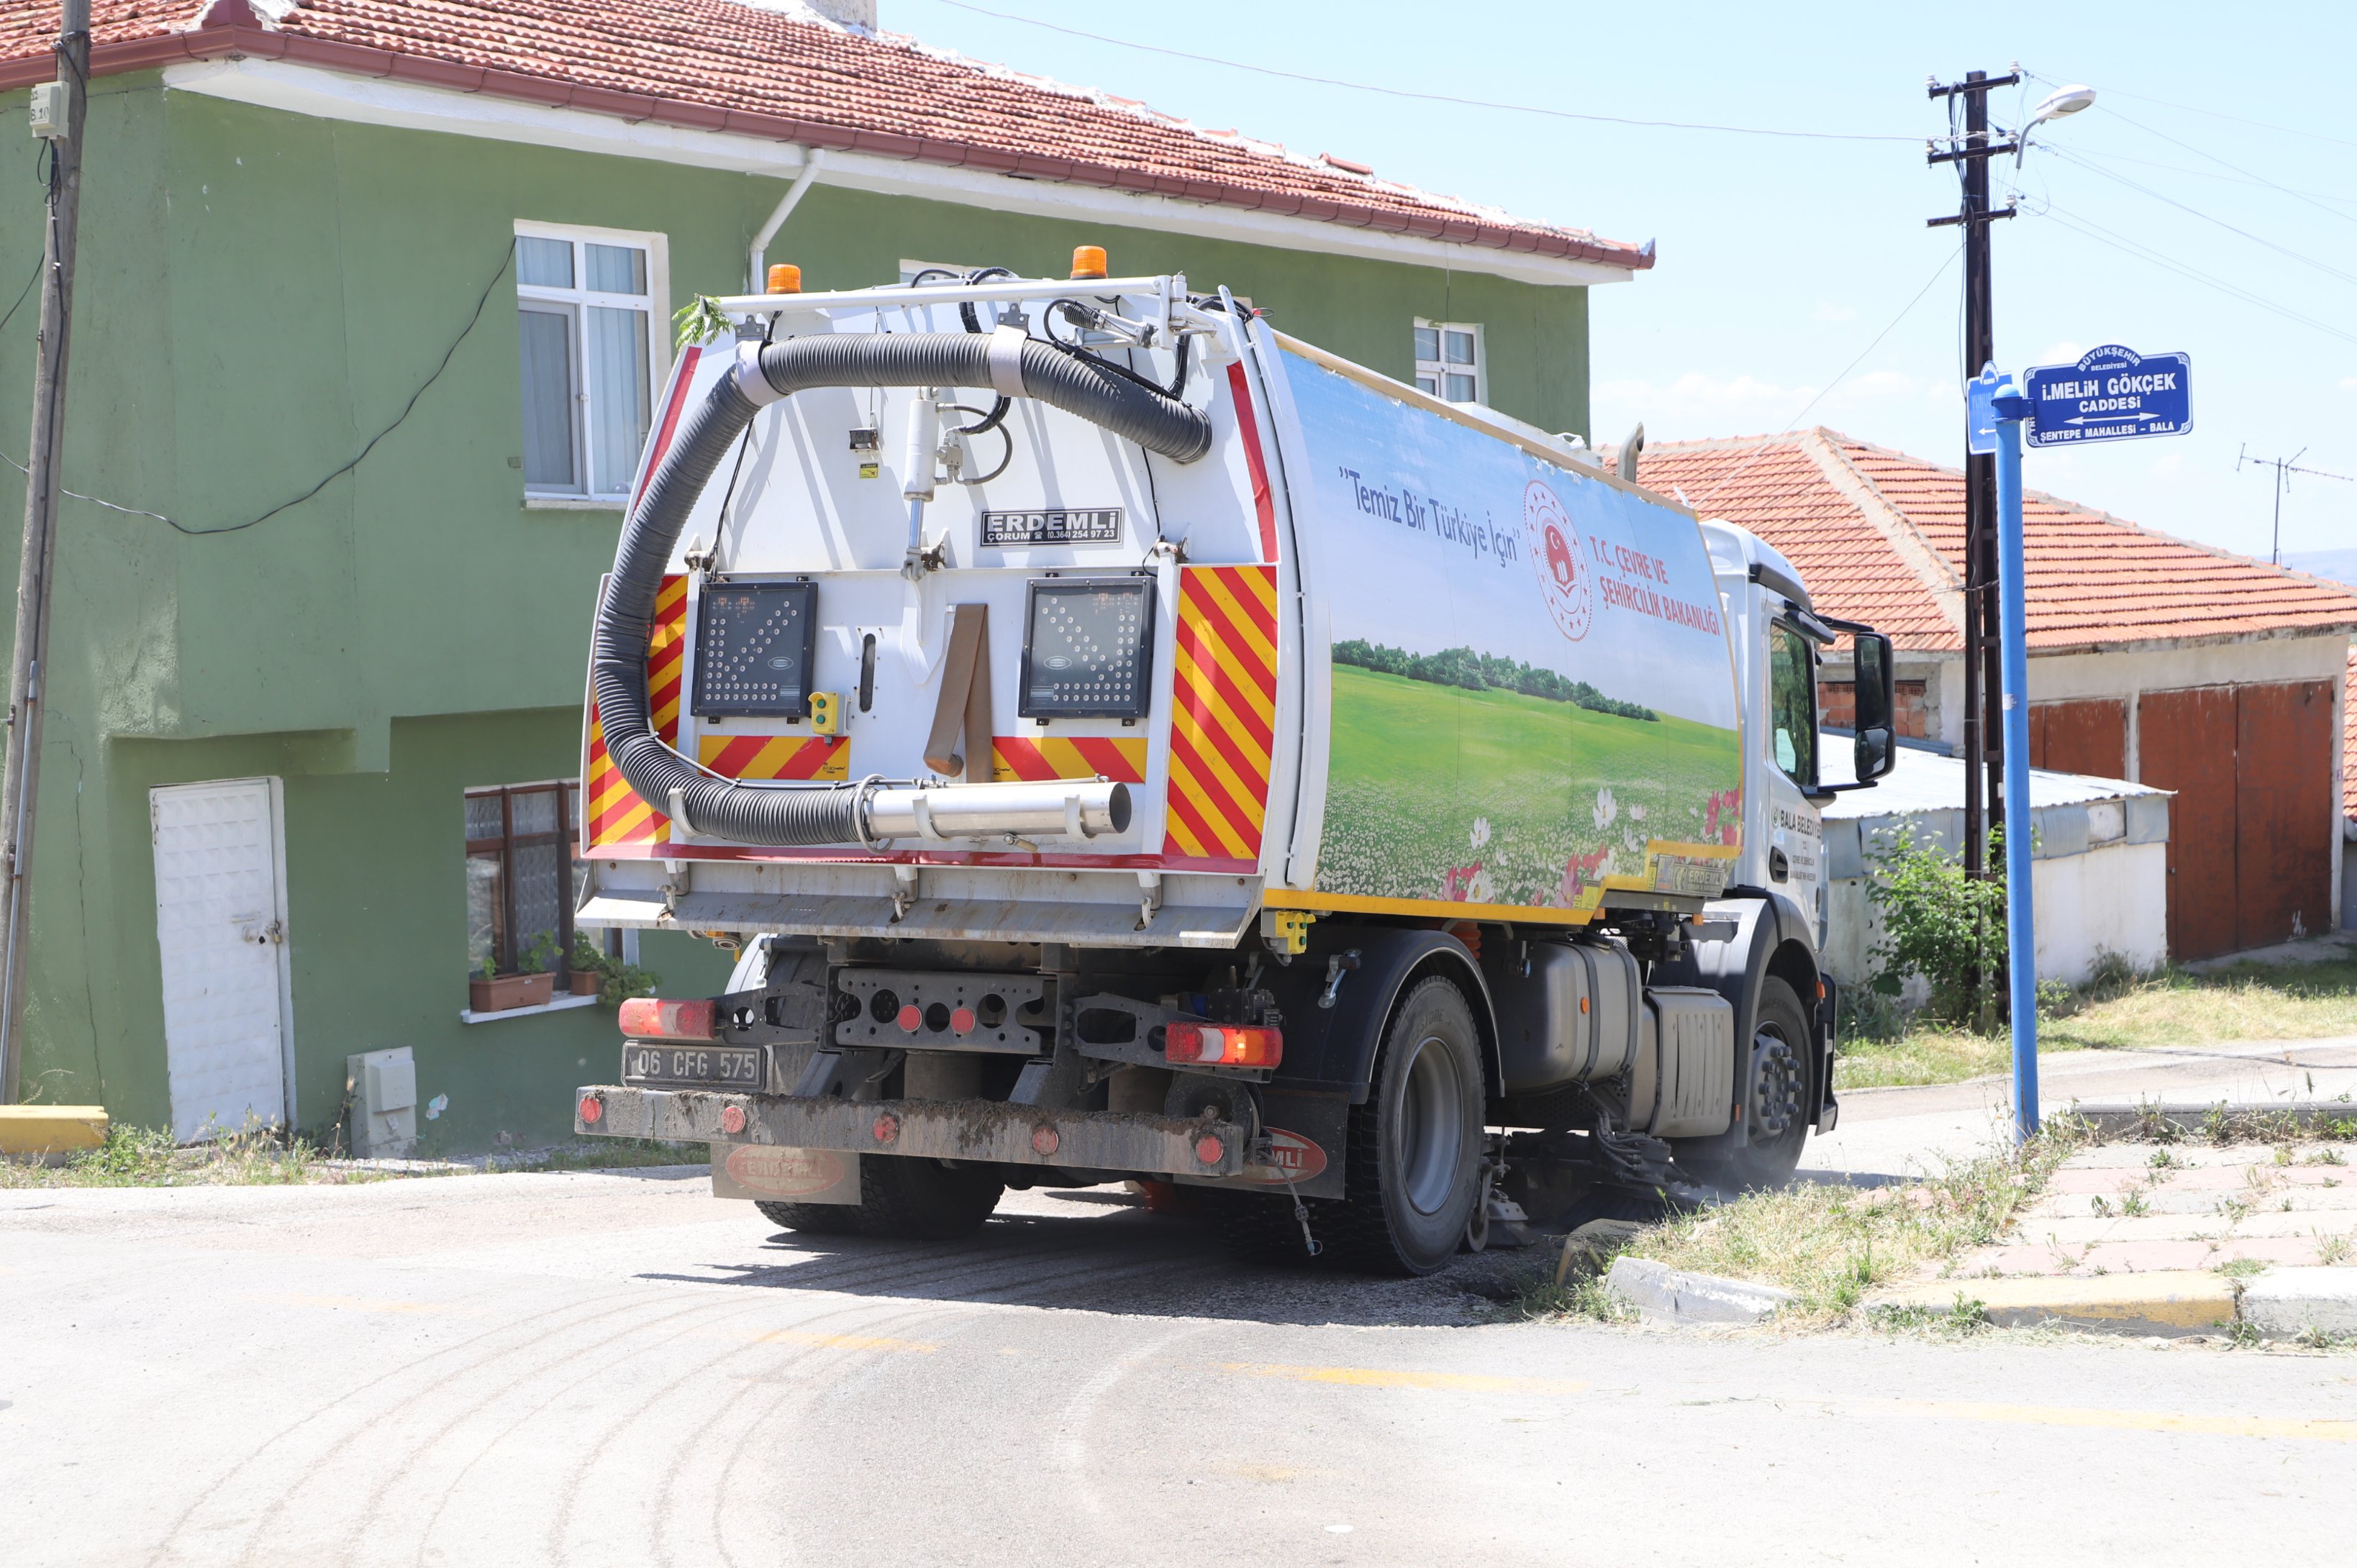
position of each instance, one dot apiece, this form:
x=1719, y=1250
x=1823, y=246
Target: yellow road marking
x=2317, y=1431
x=1386, y=1378
x=842, y=1341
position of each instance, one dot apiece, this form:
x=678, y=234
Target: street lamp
x=2053, y=106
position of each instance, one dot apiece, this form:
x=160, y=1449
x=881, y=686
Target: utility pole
x=21, y=762
x=1983, y=731
x=2285, y=469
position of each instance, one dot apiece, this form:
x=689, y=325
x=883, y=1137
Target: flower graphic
x=1636, y=813
x=1480, y=832
x=1606, y=809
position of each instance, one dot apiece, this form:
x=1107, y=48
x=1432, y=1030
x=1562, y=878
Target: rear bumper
x=979, y=1129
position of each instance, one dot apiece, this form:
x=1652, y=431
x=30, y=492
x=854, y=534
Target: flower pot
x=506, y=992
x=587, y=982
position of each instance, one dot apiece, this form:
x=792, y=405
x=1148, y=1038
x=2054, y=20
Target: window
x=589, y=350
x=1792, y=704
x=523, y=880
x=1449, y=361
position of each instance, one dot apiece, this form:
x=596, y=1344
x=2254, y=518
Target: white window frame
x=655, y=302
x=1434, y=370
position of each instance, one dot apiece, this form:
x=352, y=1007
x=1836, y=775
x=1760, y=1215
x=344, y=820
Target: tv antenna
x=2285, y=469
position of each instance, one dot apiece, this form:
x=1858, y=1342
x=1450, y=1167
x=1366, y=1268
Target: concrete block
x=2148, y=818
x=2061, y=831
x=50, y=1129
x=1660, y=1294
x=1844, y=856
x=2285, y=1303
x=2171, y=1302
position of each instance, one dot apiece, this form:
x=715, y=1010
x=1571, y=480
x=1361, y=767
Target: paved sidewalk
x=2143, y=1207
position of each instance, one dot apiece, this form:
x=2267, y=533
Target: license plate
x=723, y=1067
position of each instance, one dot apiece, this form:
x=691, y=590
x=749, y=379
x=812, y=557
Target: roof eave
x=234, y=42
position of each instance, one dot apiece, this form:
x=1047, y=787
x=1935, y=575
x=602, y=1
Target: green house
x=372, y=308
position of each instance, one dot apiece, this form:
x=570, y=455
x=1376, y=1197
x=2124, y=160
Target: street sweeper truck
x=1121, y=742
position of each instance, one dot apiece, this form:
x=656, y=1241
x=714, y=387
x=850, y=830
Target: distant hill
x=2340, y=565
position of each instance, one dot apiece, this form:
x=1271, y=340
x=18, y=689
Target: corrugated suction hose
x=764, y=373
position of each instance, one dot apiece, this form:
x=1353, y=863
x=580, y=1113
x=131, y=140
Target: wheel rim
x=1431, y=1126
x=1776, y=1085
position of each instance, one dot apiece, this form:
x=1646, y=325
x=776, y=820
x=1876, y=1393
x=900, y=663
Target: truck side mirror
x=1876, y=702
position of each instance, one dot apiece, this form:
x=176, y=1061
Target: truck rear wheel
x=1414, y=1168
x=900, y=1198
x=1775, y=1110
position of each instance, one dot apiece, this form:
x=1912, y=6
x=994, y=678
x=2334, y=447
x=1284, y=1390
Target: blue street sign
x=1980, y=418
x=2112, y=395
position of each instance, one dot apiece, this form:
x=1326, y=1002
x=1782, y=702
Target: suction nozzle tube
x=764, y=373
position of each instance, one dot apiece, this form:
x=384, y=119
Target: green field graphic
x=1493, y=797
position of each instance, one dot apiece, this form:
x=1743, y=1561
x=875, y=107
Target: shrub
x=1939, y=924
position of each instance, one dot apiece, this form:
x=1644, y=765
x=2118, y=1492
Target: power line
x=1791, y=425
x=2104, y=236
x=2221, y=162
x=2070, y=156
x=2208, y=174
x=1421, y=97
x=2213, y=114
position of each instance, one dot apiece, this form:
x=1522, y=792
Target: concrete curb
x=1674, y=1298
x=2239, y=1122
x=2284, y=1303
x=2172, y=1303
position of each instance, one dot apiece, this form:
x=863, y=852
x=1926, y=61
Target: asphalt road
x=599, y=1369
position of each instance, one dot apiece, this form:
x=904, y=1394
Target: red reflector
x=886, y=1128
x=732, y=1119
x=1208, y=1149
x=1222, y=1045
x=911, y=1018
x=593, y=1110
x=962, y=1021
x=1045, y=1141
x=651, y=1018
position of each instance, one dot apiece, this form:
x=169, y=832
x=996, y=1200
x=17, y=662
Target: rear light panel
x=652, y=1018
x=1222, y=1045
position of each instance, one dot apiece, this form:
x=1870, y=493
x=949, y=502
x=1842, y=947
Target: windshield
x=1792, y=704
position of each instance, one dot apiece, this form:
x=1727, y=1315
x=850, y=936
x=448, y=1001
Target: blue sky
x=1782, y=259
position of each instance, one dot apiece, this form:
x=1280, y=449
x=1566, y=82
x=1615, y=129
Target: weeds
x=148, y=1156
x=2332, y=1250
x=1832, y=1246
x=1960, y=1319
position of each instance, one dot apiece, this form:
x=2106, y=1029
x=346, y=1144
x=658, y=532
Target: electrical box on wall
x=49, y=111
x=382, y=1087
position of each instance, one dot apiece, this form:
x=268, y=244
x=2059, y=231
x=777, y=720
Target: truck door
x=1795, y=834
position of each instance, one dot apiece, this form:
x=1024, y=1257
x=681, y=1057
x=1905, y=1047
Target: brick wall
x=1837, y=706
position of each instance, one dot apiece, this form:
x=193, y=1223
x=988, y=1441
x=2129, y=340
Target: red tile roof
x=717, y=65
x=1878, y=536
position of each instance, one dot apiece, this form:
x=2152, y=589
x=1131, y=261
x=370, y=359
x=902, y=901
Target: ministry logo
x=1559, y=557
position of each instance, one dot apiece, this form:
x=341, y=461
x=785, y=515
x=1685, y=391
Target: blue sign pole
x=2021, y=929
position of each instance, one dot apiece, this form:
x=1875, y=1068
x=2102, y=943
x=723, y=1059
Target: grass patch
x=1831, y=1246
x=147, y=1156
x=2120, y=1012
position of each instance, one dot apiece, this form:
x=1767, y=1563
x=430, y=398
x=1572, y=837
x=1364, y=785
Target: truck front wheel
x=1413, y=1171
x=1775, y=1115
x=900, y=1198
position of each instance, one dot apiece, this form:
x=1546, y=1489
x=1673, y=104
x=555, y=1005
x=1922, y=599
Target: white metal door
x=220, y=921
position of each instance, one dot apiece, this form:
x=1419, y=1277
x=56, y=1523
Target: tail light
x=1222, y=1045
x=651, y=1018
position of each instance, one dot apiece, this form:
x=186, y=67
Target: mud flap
x=1306, y=1135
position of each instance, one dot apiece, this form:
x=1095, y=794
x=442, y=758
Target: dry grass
x=1831, y=1246
x=2248, y=1002
x=147, y=1156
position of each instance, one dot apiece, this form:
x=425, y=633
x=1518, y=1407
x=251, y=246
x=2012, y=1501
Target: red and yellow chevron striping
x=1222, y=712
x=776, y=755
x=612, y=810
x=666, y=657
x=1015, y=758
